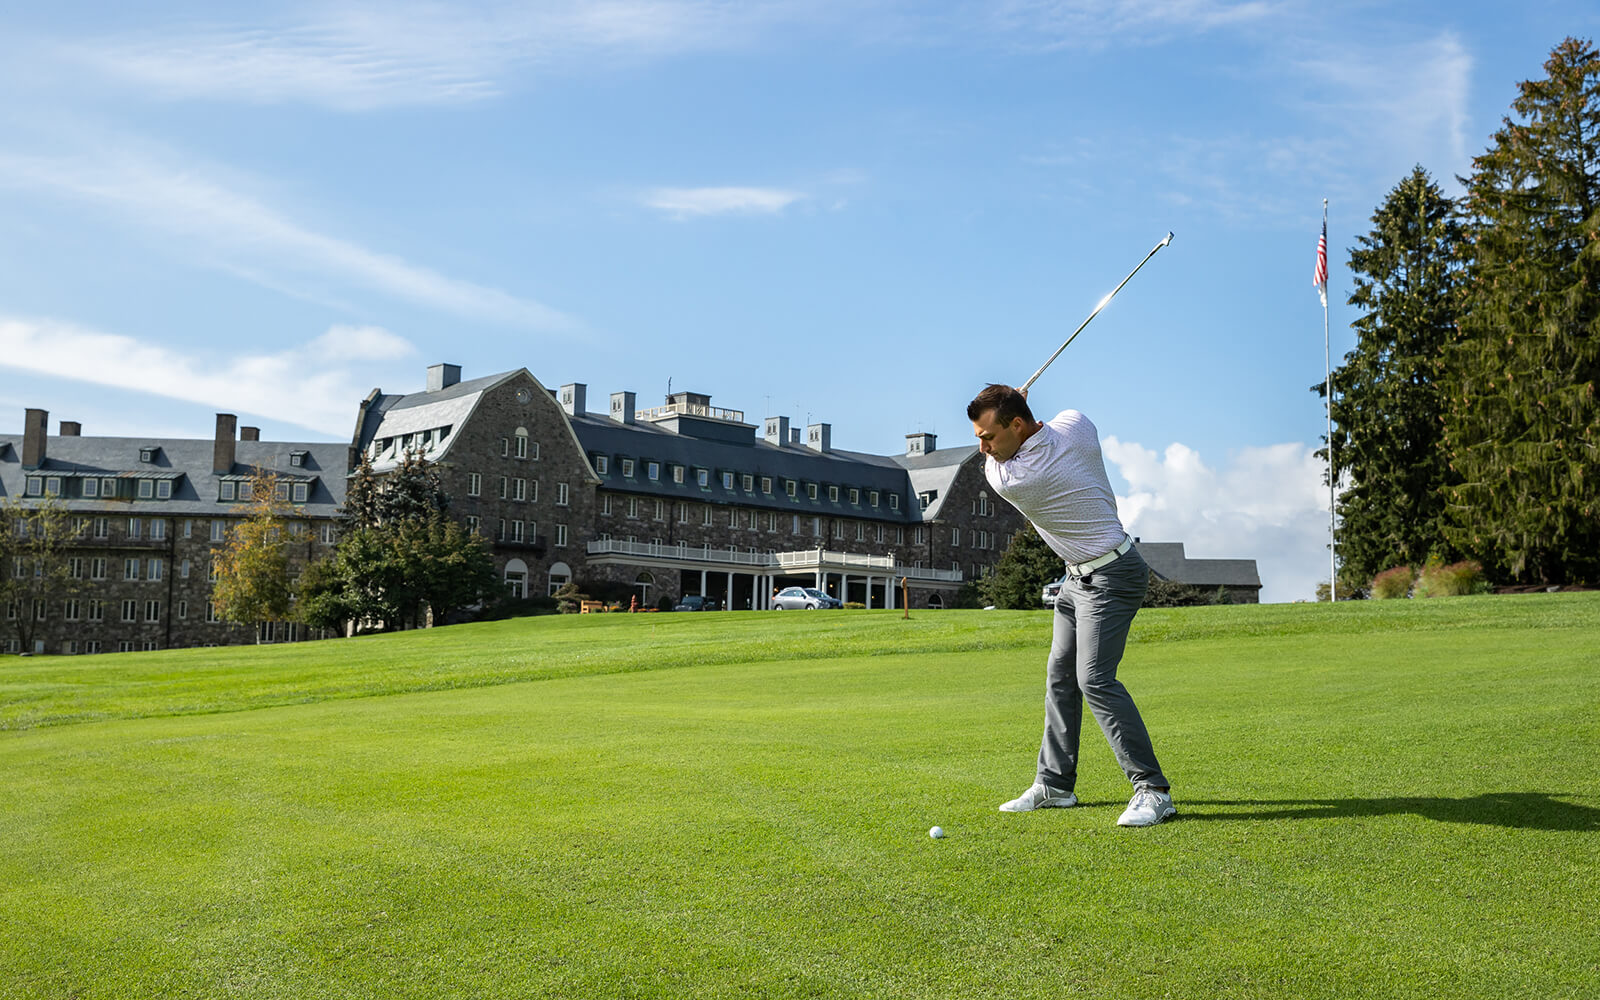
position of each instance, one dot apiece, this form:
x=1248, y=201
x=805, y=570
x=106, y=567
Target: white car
x=803, y=598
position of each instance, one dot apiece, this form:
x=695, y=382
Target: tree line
x=1466, y=423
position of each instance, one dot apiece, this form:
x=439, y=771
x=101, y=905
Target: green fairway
x=1382, y=799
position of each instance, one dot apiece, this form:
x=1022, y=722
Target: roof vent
x=921, y=443
x=443, y=376
x=574, y=399
x=622, y=407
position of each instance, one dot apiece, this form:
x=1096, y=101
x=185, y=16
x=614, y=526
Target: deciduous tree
x=36, y=574
x=252, y=567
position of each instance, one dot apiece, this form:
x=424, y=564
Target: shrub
x=854, y=606
x=1454, y=580
x=1392, y=583
x=1161, y=593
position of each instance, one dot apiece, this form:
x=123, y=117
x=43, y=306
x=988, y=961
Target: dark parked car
x=696, y=602
x=798, y=598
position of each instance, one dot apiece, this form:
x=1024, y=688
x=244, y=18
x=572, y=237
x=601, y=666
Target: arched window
x=642, y=583
x=560, y=576
x=517, y=578
x=522, y=442
x=936, y=603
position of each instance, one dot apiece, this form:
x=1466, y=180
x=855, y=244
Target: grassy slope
x=1380, y=800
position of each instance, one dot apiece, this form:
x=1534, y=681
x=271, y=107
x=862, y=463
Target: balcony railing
x=793, y=561
x=691, y=410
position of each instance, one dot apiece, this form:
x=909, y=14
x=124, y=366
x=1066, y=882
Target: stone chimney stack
x=819, y=437
x=622, y=407
x=921, y=443
x=443, y=376
x=222, y=452
x=575, y=399
x=249, y=434
x=71, y=429
x=777, y=431
x=36, y=424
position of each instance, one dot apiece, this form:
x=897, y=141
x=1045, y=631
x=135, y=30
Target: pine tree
x=1019, y=577
x=1523, y=421
x=1387, y=403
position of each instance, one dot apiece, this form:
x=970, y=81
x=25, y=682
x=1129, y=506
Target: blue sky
x=856, y=213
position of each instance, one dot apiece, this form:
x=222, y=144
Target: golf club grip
x=1103, y=303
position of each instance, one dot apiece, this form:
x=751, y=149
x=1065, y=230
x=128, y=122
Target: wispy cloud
x=1266, y=504
x=312, y=385
x=692, y=203
x=360, y=56
x=1095, y=23
x=241, y=234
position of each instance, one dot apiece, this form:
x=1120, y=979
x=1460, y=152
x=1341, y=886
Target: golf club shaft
x=1102, y=305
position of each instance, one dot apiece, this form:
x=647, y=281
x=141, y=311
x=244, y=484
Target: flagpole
x=1327, y=360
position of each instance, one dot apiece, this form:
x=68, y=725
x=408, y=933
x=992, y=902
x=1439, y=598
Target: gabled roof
x=935, y=472
x=1168, y=561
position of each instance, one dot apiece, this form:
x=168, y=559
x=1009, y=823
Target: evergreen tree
x=1523, y=422
x=1387, y=402
x=1019, y=577
x=252, y=568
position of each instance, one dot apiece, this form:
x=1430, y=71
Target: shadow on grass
x=1514, y=810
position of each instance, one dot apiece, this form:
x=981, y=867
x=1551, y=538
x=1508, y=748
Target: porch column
x=702, y=583
x=727, y=600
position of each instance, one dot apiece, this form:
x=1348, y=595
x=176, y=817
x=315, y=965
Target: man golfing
x=1055, y=475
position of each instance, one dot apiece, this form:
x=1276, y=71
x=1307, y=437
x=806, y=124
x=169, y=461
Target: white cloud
x=1094, y=23
x=240, y=234
x=688, y=203
x=314, y=383
x=1266, y=504
x=362, y=56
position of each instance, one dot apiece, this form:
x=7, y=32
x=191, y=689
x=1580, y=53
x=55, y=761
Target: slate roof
x=935, y=472
x=1168, y=561
x=394, y=415
x=186, y=463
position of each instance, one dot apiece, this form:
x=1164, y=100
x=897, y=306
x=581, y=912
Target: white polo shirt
x=1058, y=480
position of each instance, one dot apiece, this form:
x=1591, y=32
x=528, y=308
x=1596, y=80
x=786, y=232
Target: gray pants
x=1092, y=618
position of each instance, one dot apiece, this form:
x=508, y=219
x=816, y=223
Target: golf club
x=1102, y=305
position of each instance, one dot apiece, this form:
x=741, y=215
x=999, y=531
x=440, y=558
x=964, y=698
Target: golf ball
x=936, y=833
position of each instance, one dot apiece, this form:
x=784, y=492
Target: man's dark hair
x=1007, y=403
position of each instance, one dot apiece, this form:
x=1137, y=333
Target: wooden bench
x=586, y=607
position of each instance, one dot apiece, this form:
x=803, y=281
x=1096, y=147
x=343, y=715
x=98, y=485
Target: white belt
x=1085, y=568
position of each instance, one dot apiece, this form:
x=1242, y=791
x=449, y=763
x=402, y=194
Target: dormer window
x=298, y=459
x=702, y=477
x=164, y=490
x=148, y=455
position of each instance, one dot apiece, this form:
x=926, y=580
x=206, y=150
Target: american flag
x=1320, y=278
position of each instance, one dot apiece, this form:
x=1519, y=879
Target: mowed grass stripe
x=69, y=690
x=1399, y=812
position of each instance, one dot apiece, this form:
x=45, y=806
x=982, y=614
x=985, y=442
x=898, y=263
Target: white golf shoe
x=1148, y=807
x=1040, y=796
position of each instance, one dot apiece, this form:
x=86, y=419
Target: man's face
x=997, y=439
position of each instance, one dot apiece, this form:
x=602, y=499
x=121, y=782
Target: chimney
x=777, y=431
x=794, y=435
x=921, y=443
x=71, y=429
x=574, y=399
x=249, y=434
x=36, y=424
x=622, y=407
x=222, y=451
x=819, y=437
x=443, y=376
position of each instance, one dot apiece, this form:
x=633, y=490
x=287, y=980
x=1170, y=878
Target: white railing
x=794, y=561
x=690, y=410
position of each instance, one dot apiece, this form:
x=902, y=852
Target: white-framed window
x=108, y=488
x=561, y=535
x=561, y=494
x=516, y=531
x=35, y=486
x=158, y=528
x=500, y=534
x=727, y=480
x=75, y=567
x=733, y=519
x=211, y=612
x=702, y=477
x=327, y=533
x=188, y=527
x=156, y=569
x=152, y=611
x=522, y=442
x=130, y=610
x=225, y=490
x=130, y=569
x=183, y=609
x=816, y=527
x=894, y=501
x=102, y=527
x=474, y=484
x=683, y=512
x=811, y=491
x=705, y=514
x=652, y=471
x=472, y=524
x=855, y=497
x=505, y=447
x=301, y=492
x=183, y=570
x=677, y=474
x=872, y=497
x=505, y=487
x=748, y=482
x=212, y=572
x=91, y=488
x=533, y=490
x=833, y=494
x=861, y=531
x=838, y=529
x=766, y=484
x=605, y=504
x=955, y=537
x=70, y=609
x=219, y=529
x=661, y=511
x=602, y=465
x=97, y=569
x=880, y=532
x=247, y=491
x=135, y=527
x=97, y=610
x=519, y=489
x=147, y=489
x=918, y=537
x=633, y=506
x=627, y=468
x=789, y=487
